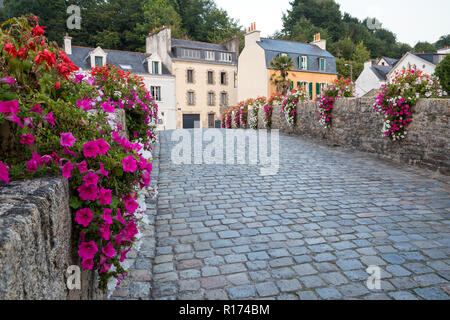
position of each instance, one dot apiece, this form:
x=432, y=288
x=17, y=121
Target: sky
x=410, y=20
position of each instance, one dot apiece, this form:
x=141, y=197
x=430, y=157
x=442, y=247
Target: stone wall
x=357, y=125
x=36, y=244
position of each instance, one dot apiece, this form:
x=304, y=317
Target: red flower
x=38, y=31
x=57, y=85
x=10, y=49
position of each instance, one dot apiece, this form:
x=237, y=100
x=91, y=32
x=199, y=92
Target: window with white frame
x=223, y=98
x=191, y=97
x=303, y=62
x=210, y=55
x=98, y=61
x=210, y=98
x=156, y=67
x=156, y=92
x=226, y=57
x=189, y=53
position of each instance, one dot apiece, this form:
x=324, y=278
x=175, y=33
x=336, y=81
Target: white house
x=373, y=76
x=420, y=61
x=157, y=77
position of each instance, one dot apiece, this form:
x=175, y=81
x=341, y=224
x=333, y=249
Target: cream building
x=205, y=76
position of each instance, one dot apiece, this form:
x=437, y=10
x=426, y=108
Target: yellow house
x=314, y=66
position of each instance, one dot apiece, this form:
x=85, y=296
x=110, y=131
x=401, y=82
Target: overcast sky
x=410, y=20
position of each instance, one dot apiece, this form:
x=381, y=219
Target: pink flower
x=87, y=250
x=107, y=107
x=8, y=80
x=103, y=146
x=105, y=196
x=129, y=164
x=87, y=264
x=90, y=81
x=28, y=122
x=145, y=178
x=49, y=118
x=67, y=170
x=4, y=173
x=82, y=166
x=130, y=231
x=15, y=119
x=109, y=250
x=105, y=267
x=130, y=204
x=119, y=218
x=91, y=178
x=32, y=166
x=27, y=139
x=36, y=108
x=123, y=255
x=102, y=170
x=107, y=215
x=77, y=78
x=83, y=217
x=88, y=192
x=103, y=231
x=90, y=149
x=67, y=139
x=9, y=107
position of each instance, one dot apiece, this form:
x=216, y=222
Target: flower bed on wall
x=397, y=98
x=253, y=117
x=62, y=123
x=290, y=102
x=340, y=88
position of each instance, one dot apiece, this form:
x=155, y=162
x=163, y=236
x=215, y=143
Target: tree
x=283, y=64
x=424, y=47
x=443, y=72
x=443, y=42
x=343, y=48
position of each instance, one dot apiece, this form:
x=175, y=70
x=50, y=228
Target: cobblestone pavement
x=310, y=232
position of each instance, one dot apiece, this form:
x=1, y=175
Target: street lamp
x=351, y=71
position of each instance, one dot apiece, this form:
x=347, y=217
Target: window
x=303, y=62
x=190, y=76
x=210, y=77
x=322, y=64
x=189, y=53
x=223, y=99
x=211, y=120
x=125, y=66
x=191, y=98
x=155, y=67
x=156, y=92
x=210, y=55
x=210, y=98
x=226, y=57
x=99, y=61
x=223, y=78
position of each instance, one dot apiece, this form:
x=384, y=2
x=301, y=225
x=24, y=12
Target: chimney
x=68, y=44
x=321, y=43
x=253, y=35
x=160, y=42
x=233, y=45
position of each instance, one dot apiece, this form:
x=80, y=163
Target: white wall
x=366, y=81
x=409, y=61
x=252, y=71
x=167, y=103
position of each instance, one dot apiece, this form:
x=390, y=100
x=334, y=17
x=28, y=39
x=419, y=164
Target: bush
x=443, y=73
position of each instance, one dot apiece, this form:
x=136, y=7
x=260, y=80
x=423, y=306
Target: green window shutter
x=322, y=64
x=292, y=85
x=317, y=89
x=310, y=90
x=299, y=84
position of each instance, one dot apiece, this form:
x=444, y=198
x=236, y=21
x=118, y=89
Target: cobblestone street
x=309, y=232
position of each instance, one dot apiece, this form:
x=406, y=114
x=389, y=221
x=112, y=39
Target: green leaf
x=75, y=203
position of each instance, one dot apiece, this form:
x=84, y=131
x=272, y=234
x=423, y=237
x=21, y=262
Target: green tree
x=343, y=48
x=443, y=42
x=424, y=47
x=443, y=72
x=283, y=64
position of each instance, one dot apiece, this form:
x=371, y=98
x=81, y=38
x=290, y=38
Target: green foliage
x=282, y=64
x=443, y=42
x=443, y=72
x=425, y=47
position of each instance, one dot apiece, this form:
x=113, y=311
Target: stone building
x=205, y=75
x=314, y=66
x=157, y=77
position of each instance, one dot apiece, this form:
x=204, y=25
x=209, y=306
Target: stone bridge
x=310, y=231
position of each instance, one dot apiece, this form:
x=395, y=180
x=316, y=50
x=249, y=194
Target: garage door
x=191, y=121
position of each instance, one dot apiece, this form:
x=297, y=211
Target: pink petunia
x=118, y=217
x=145, y=178
x=88, y=192
x=32, y=166
x=90, y=149
x=102, y=170
x=8, y=80
x=67, y=139
x=82, y=166
x=67, y=170
x=28, y=122
x=9, y=107
x=129, y=164
x=27, y=139
x=87, y=264
x=107, y=107
x=15, y=119
x=105, y=267
x=130, y=204
x=123, y=254
x=107, y=215
x=36, y=108
x=4, y=173
x=49, y=118
x=87, y=250
x=103, y=231
x=91, y=178
x=83, y=217
x=109, y=250
x=103, y=146
x=105, y=196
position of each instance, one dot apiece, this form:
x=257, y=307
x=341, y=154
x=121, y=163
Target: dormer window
x=98, y=57
x=156, y=67
x=98, y=61
x=303, y=62
x=210, y=55
x=225, y=57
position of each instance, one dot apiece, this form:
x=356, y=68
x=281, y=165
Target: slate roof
x=390, y=61
x=197, y=45
x=381, y=71
x=137, y=60
x=177, y=46
x=430, y=57
x=273, y=48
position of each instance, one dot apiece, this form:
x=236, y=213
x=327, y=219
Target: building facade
x=157, y=78
x=205, y=76
x=314, y=67
x=426, y=62
x=373, y=76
